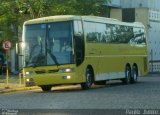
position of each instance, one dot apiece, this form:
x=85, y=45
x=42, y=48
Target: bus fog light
x=27, y=80
x=66, y=77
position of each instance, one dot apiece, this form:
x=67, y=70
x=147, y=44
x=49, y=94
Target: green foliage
x=32, y=8
x=8, y=19
x=79, y=7
x=14, y=12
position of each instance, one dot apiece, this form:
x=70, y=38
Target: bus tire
x=134, y=76
x=88, y=83
x=127, y=78
x=46, y=88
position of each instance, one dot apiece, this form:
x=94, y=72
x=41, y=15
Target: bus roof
x=59, y=18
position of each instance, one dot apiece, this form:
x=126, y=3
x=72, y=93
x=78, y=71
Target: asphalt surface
x=143, y=95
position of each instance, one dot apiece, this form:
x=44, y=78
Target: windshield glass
x=48, y=44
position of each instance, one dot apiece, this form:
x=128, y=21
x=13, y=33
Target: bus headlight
x=66, y=70
x=29, y=80
x=29, y=73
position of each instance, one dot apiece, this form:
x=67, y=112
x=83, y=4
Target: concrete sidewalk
x=13, y=85
x=14, y=88
x=10, y=87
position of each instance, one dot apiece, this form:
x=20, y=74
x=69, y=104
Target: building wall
x=154, y=40
x=154, y=4
x=151, y=4
x=116, y=13
x=134, y=3
x=141, y=15
x=115, y=3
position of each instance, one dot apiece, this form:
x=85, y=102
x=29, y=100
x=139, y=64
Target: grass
x=13, y=79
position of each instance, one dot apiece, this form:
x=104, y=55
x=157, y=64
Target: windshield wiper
x=36, y=61
x=53, y=57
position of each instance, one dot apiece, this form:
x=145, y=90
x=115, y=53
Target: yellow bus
x=68, y=49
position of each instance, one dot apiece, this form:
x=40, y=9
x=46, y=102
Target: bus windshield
x=48, y=44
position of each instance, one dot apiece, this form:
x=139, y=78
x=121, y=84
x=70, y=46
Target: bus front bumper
x=52, y=79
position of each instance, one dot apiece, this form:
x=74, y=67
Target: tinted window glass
x=90, y=32
x=113, y=33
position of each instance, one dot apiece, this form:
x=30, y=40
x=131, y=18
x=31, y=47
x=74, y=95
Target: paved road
x=143, y=95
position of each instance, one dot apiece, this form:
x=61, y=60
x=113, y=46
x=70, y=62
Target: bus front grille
x=53, y=71
x=40, y=72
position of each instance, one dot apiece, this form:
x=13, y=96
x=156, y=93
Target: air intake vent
x=40, y=72
x=52, y=71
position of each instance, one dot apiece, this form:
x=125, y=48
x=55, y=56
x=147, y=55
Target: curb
x=9, y=90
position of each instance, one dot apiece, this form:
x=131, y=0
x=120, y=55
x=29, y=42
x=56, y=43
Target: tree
x=14, y=12
x=79, y=7
x=34, y=9
x=8, y=20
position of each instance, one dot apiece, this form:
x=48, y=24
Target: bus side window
x=139, y=36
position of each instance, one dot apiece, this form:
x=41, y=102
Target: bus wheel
x=134, y=74
x=127, y=78
x=46, y=87
x=89, y=80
